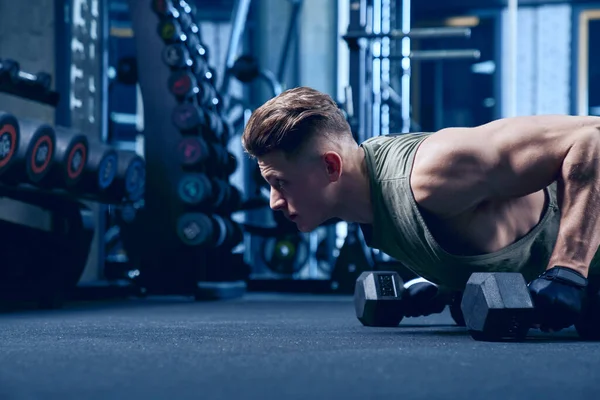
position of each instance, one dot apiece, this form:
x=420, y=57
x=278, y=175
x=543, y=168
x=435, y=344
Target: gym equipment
x=456, y=311
x=170, y=31
x=197, y=229
x=9, y=140
x=378, y=298
x=176, y=55
x=130, y=178
x=497, y=306
x=196, y=48
x=34, y=153
x=246, y=68
x=193, y=151
x=189, y=118
x=162, y=7
x=183, y=84
x=285, y=255
x=12, y=70
x=100, y=170
x=70, y=159
x=194, y=188
x=44, y=265
x=219, y=290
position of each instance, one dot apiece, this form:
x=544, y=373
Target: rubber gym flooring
x=275, y=347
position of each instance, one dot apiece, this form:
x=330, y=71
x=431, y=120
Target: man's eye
x=280, y=183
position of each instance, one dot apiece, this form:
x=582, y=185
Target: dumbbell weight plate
x=378, y=298
x=194, y=229
x=183, y=83
x=176, y=55
x=286, y=255
x=188, y=117
x=192, y=151
x=194, y=188
x=107, y=170
x=135, y=179
x=162, y=7
x=9, y=139
x=170, y=31
x=40, y=148
x=497, y=306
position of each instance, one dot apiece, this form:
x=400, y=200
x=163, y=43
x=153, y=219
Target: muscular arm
x=458, y=169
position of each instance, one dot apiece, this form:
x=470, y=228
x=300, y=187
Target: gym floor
x=275, y=347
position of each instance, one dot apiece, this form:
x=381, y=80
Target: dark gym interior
x=141, y=258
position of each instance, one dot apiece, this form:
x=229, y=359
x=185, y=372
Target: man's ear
x=333, y=165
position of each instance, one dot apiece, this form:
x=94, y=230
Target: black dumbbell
x=196, y=48
x=210, y=230
x=130, y=178
x=9, y=141
x=33, y=156
x=186, y=18
x=189, y=118
x=170, y=31
x=10, y=69
x=193, y=151
x=183, y=84
x=70, y=158
x=207, y=94
x=195, y=189
x=176, y=55
x=380, y=297
x=99, y=171
x=245, y=68
x=164, y=8
x=498, y=306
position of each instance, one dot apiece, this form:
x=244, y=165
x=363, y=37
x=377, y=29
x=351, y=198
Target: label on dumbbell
x=194, y=229
x=135, y=179
x=193, y=189
x=107, y=171
x=41, y=154
x=190, y=151
x=8, y=143
x=161, y=7
x=187, y=117
x=387, y=286
x=76, y=160
x=170, y=31
x=182, y=83
x=175, y=55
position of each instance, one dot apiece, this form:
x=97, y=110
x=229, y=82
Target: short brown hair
x=288, y=121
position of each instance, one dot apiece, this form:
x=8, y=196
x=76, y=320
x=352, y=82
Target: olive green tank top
x=400, y=231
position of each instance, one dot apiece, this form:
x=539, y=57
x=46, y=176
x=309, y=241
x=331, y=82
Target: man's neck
x=355, y=195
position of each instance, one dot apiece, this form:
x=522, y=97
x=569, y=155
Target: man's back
x=506, y=234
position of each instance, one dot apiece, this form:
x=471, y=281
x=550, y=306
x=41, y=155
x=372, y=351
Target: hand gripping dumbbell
x=382, y=299
x=498, y=306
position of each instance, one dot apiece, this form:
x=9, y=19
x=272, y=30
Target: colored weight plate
x=135, y=179
x=170, y=31
x=40, y=152
x=76, y=161
x=9, y=139
x=188, y=117
x=192, y=150
x=183, y=83
x=162, y=7
x=176, y=55
x=285, y=255
x=107, y=170
x=194, y=229
x=194, y=188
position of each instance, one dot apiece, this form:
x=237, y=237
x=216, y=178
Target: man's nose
x=276, y=201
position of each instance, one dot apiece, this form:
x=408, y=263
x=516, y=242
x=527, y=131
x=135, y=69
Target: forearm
x=578, y=193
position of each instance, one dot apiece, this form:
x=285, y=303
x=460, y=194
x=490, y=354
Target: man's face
x=298, y=188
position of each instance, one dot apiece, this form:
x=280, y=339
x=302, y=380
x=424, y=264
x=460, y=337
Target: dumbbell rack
x=185, y=231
